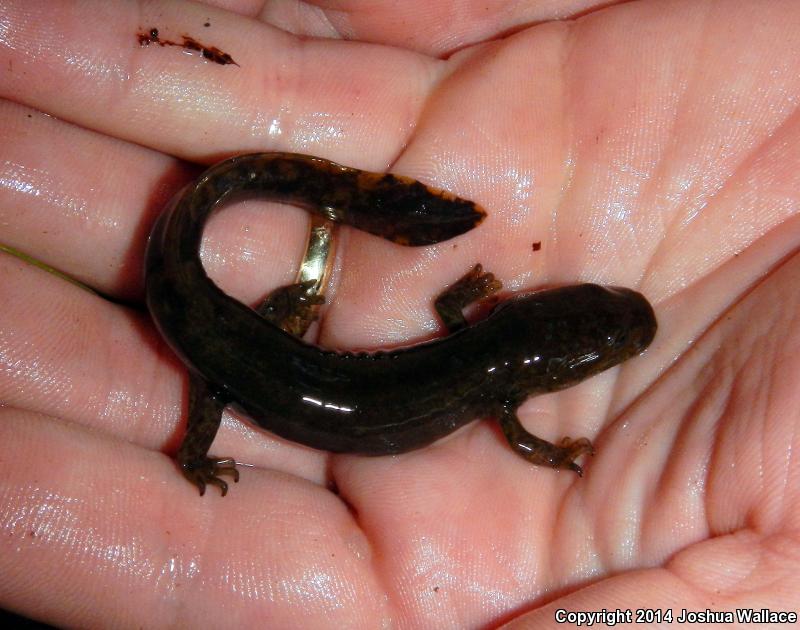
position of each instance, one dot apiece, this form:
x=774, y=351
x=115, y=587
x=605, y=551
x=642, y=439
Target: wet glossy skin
x=380, y=403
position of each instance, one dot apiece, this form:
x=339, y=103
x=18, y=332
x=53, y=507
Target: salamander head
x=637, y=321
x=568, y=334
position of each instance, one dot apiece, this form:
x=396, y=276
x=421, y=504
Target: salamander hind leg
x=292, y=308
x=205, y=414
x=475, y=285
x=542, y=452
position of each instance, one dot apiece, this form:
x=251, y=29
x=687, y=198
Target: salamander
x=383, y=402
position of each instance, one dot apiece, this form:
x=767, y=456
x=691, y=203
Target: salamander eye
x=617, y=340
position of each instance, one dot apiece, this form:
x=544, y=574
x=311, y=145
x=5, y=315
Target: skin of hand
x=654, y=145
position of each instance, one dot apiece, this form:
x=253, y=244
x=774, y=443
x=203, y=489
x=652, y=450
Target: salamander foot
x=292, y=308
x=208, y=471
x=541, y=452
x=473, y=286
x=572, y=449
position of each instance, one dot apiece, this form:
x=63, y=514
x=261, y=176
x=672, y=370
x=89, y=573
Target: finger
x=80, y=201
x=67, y=353
x=309, y=96
x=83, y=202
x=432, y=28
x=100, y=533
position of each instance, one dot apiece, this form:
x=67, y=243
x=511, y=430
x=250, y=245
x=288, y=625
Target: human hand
x=651, y=145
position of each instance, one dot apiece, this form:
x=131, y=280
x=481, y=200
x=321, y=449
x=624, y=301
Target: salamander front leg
x=205, y=414
x=292, y=308
x=473, y=286
x=542, y=452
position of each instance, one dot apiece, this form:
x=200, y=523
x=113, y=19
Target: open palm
x=651, y=144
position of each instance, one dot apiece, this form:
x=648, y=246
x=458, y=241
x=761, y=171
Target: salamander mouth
x=642, y=324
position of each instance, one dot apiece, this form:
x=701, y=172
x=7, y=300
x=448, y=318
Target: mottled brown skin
x=385, y=402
